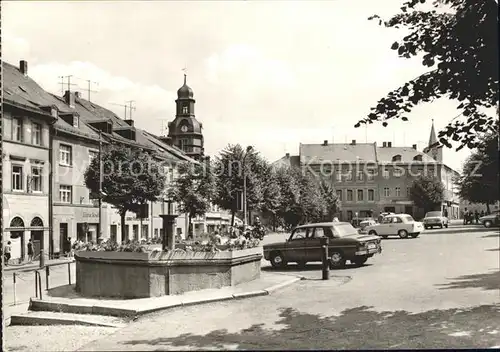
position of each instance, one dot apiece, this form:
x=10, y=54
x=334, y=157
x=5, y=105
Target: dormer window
x=76, y=121
x=418, y=158
x=396, y=158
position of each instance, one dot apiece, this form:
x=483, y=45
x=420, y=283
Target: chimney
x=130, y=122
x=69, y=98
x=23, y=67
x=414, y=146
x=287, y=155
x=353, y=142
x=325, y=142
x=384, y=144
x=78, y=95
x=389, y=144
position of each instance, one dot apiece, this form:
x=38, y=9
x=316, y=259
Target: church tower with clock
x=185, y=131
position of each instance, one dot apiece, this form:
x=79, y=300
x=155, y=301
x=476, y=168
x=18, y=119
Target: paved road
x=439, y=290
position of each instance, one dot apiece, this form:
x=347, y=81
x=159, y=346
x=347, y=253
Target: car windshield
x=343, y=230
x=433, y=214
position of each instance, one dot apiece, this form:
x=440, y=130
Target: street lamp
x=248, y=150
x=99, y=226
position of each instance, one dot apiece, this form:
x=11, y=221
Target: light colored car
x=435, y=219
x=491, y=220
x=402, y=225
x=364, y=224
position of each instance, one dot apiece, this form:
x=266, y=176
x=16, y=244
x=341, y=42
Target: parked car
x=491, y=220
x=383, y=215
x=364, y=224
x=401, y=225
x=435, y=218
x=356, y=222
x=304, y=245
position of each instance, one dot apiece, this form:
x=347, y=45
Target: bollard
x=47, y=277
x=40, y=284
x=69, y=273
x=14, y=279
x=326, y=264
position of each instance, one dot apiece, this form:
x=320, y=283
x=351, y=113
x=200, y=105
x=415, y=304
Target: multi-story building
x=371, y=179
x=25, y=160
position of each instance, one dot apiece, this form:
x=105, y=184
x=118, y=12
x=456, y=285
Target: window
x=371, y=194
x=65, y=194
x=398, y=172
x=76, y=121
x=387, y=192
x=349, y=215
x=338, y=175
x=396, y=158
x=430, y=171
x=92, y=155
x=349, y=195
x=359, y=176
x=17, y=129
x=385, y=173
x=371, y=175
x=339, y=194
x=17, y=178
x=348, y=176
x=36, y=179
x=398, y=192
x=396, y=220
x=360, y=195
x=319, y=232
x=417, y=158
x=185, y=109
x=36, y=134
x=65, y=155
x=299, y=234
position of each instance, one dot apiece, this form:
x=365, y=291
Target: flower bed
x=136, y=270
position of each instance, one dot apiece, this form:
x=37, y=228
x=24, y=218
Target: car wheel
x=487, y=223
x=426, y=227
x=403, y=234
x=360, y=260
x=373, y=233
x=302, y=264
x=337, y=260
x=277, y=260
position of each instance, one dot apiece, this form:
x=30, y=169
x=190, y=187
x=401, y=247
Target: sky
x=271, y=74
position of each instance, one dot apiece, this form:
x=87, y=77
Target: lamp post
x=249, y=149
x=99, y=226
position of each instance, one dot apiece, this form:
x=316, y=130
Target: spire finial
x=185, y=74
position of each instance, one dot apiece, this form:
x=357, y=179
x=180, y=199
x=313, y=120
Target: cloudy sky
x=271, y=74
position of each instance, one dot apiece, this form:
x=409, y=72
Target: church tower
x=434, y=149
x=185, y=131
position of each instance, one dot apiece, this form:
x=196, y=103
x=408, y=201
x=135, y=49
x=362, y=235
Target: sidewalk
x=64, y=299
x=35, y=265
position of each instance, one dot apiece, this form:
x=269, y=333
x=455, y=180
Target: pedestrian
x=6, y=251
x=476, y=216
x=30, y=251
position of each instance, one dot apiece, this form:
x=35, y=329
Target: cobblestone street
x=440, y=290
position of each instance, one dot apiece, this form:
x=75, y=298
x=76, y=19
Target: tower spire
x=185, y=74
x=432, y=138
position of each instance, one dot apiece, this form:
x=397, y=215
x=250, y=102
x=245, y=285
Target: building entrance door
x=63, y=238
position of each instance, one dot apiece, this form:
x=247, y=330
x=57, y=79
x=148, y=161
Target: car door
x=385, y=226
x=313, y=244
x=397, y=224
x=295, y=246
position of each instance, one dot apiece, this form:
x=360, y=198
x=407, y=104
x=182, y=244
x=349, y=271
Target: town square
x=291, y=178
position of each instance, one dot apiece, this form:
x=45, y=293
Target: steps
x=59, y=318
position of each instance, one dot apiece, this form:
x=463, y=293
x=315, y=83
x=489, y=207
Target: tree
x=332, y=202
x=312, y=203
x=480, y=175
x=229, y=180
x=289, y=210
x=271, y=194
x=427, y=193
x=131, y=177
x=193, y=190
x=460, y=48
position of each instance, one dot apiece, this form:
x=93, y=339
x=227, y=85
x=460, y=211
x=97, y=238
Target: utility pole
x=67, y=83
x=99, y=229
x=130, y=108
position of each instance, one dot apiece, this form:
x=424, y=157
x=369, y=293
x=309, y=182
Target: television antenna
x=130, y=107
x=124, y=106
x=68, y=83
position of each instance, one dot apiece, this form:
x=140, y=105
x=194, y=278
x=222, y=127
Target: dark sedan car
x=304, y=245
x=491, y=220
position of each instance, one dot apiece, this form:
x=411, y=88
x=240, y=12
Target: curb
x=31, y=320
x=39, y=305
